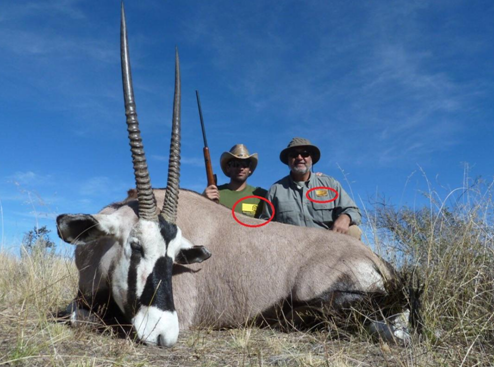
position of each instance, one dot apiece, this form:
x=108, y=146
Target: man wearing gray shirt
x=289, y=195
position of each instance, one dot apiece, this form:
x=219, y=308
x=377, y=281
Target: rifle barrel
x=202, y=120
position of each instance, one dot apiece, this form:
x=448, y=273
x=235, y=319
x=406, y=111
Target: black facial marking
x=132, y=299
x=158, y=289
x=168, y=231
x=136, y=248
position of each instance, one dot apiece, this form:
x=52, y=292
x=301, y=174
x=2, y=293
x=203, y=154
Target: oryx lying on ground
x=129, y=253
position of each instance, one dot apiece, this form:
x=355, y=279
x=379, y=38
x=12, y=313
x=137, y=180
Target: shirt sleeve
x=347, y=206
x=267, y=211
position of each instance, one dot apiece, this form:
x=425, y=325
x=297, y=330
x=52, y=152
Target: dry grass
x=450, y=246
x=452, y=251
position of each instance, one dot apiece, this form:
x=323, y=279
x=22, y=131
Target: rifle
x=207, y=158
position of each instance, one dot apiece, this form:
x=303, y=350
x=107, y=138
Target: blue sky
x=395, y=94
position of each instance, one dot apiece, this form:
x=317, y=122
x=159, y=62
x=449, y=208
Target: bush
x=450, y=247
x=37, y=241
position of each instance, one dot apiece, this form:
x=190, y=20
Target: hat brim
x=227, y=157
x=315, y=153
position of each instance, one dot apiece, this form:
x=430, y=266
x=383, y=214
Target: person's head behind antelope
x=238, y=165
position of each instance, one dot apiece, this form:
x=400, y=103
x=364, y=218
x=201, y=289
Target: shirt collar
x=307, y=183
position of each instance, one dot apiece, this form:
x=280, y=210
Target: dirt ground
x=50, y=342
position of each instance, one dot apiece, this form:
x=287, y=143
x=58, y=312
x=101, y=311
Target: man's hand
x=212, y=193
x=342, y=224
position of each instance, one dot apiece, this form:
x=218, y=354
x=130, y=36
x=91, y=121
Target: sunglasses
x=239, y=164
x=295, y=154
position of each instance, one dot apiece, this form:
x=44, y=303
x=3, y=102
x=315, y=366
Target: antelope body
x=251, y=270
x=150, y=262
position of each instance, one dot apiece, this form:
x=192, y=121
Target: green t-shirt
x=251, y=207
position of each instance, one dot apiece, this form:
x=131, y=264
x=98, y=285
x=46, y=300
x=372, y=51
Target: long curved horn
x=147, y=205
x=169, y=211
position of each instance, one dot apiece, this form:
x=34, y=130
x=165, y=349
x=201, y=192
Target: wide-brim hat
x=238, y=151
x=301, y=143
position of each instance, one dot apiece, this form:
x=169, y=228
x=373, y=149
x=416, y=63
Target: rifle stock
x=211, y=177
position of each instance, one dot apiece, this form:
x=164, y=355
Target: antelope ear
x=192, y=255
x=79, y=229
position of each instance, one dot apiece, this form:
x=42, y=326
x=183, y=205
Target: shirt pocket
x=323, y=212
x=288, y=212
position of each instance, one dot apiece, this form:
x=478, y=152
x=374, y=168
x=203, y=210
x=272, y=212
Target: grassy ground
x=451, y=250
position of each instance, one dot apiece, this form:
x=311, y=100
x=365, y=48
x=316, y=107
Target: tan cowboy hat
x=238, y=151
x=301, y=143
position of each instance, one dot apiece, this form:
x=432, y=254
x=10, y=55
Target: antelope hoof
x=396, y=331
x=80, y=316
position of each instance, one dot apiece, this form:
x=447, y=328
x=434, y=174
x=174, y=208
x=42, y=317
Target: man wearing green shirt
x=238, y=165
x=289, y=195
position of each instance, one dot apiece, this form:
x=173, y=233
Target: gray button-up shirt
x=292, y=206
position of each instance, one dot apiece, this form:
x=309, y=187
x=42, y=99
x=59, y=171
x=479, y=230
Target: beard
x=301, y=170
x=239, y=178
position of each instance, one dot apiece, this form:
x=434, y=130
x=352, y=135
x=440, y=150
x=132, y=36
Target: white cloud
x=29, y=178
x=20, y=10
x=24, y=177
x=95, y=186
x=193, y=161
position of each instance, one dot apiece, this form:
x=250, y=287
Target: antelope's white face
x=142, y=281
x=141, y=278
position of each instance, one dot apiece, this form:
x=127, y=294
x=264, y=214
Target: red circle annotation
x=322, y=188
x=252, y=225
